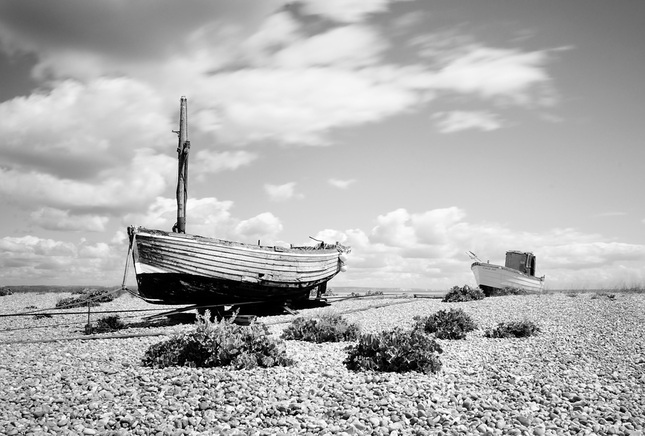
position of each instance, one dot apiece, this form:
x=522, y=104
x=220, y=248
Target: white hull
x=500, y=277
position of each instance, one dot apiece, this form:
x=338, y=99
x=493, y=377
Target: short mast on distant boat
x=182, y=176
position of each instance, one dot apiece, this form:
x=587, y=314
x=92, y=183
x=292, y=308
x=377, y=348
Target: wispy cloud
x=456, y=121
x=341, y=184
x=346, y=11
x=210, y=161
x=55, y=219
x=282, y=192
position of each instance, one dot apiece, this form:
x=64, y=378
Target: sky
x=412, y=131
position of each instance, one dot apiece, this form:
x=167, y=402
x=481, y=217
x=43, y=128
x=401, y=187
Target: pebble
x=581, y=374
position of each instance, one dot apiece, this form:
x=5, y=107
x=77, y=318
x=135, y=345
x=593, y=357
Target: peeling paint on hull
x=173, y=268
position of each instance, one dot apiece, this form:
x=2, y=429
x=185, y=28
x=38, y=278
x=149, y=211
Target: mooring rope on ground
x=150, y=334
x=82, y=338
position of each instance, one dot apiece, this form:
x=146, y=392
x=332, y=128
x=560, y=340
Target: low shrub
x=603, y=295
x=324, y=328
x=512, y=329
x=5, y=291
x=457, y=294
x=395, y=351
x=93, y=297
x=446, y=324
x=108, y=324
x=220, y=343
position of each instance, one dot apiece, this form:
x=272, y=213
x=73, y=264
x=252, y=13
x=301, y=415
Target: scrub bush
x=108, y=324
x=452, y=324
x=457, y=294
x=395, y=351
x=603, y=295
x=324, y=328
x=512, y=329
x=93, y=297
x=222, y=343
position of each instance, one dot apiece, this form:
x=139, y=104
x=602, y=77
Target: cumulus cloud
x=117, y=190
x=264, y=227
x=31, y=259
x=427, y=249
x=85, y=147
x=78, y=130
x=209, y=217
x=456, y=121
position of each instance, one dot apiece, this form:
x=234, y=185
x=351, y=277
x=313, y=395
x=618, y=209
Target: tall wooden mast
x=182, y=176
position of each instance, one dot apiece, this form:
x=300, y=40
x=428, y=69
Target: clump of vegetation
x=457, y=294
x=5, y=291
x=446, y=324
x=603, y=295
x=109, y=324
x=395, y=351
x=512, y=329
x=91, y=297
x=324, y=328
x=220, y=343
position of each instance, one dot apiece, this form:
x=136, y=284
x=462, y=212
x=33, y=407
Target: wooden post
x=88, y=326
x=182, y=176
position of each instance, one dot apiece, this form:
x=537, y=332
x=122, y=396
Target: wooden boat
x=518, y=273
x=178, y=268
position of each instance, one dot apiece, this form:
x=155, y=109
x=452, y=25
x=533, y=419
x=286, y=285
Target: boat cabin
x=521, y=261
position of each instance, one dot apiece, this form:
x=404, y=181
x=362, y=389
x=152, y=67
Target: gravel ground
x=583, y=374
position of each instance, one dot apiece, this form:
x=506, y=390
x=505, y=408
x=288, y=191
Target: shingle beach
x=584, y=373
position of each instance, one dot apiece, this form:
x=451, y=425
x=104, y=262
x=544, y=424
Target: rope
x=69, y=306
x=9, y=315
x=121, y=336
x=127, y=261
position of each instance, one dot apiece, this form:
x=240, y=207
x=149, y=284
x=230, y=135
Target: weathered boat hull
x=175, y=268
x=500, y=277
